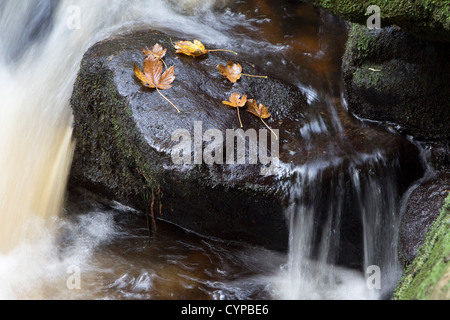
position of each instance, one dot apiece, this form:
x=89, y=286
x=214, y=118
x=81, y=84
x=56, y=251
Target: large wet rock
x=422, y=209
x=428, y=19
x=123, y=144
x=428, y=276
x=399, y=73
x=393, y=77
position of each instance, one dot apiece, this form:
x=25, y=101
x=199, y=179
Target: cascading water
x=42, y=43
x=41, y=46
x=35, y=126
x=316, y=215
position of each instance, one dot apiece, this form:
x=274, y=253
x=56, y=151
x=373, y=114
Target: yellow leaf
x=194, y=49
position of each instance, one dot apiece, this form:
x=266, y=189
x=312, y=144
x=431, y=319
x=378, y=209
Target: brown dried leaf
x=195, y=49
x=153, y=76
x=232, y=71
x=236, y=101
x=157, y=52
x=259, y=110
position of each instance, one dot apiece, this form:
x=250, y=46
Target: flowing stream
x=41, y=45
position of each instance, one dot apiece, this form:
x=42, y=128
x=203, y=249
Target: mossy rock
x=428, y=277
x=422, y=209
x=123, y=139
x=396, y=78
x=399, y=74
x=123, y=145
x=428, y=19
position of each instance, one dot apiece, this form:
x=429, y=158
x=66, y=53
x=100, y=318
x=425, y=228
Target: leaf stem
x=164, y=63
x=250, y=75
x=160, y=59
x=222, y=50
x=168, y=100
x=239, y=115
x=175, y=47
x=269, y=128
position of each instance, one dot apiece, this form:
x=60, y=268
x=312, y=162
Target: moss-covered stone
x=422, y=209
x=411, y=51
x=428, y=277
x=399, y=75
x=393, y=77
x=123, y=133
x=429, y=19
x=123, y=142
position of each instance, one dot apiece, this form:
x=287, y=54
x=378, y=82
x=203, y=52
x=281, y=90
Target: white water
x=39, y=61
x=311, y=271
x=37, y=73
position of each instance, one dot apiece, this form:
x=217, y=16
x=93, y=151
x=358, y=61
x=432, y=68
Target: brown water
x=172, y=264
x=109, y=244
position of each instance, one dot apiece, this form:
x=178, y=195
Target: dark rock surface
x=124, y=130
x=423, y=207
x=428, y=19
x=123, y=143
x=396, y=78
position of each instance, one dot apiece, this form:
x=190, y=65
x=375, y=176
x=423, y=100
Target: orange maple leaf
x=157, y=52
x=153, y=77
x=233, y=71
x=261, y=111
x=236, y=101
x=195, y=48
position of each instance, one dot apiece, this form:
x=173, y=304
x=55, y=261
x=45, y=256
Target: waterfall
x=324, y=199
x=35, y=122
x=41, y=45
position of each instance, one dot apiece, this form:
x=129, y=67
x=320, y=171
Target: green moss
x=102, y=109
x=426, y=18
x=362, y=45
x=368, y=77
x=427, y=277
x=407, y=90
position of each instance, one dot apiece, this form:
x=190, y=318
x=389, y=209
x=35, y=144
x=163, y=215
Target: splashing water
x=316, y=217
x=42, y=43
